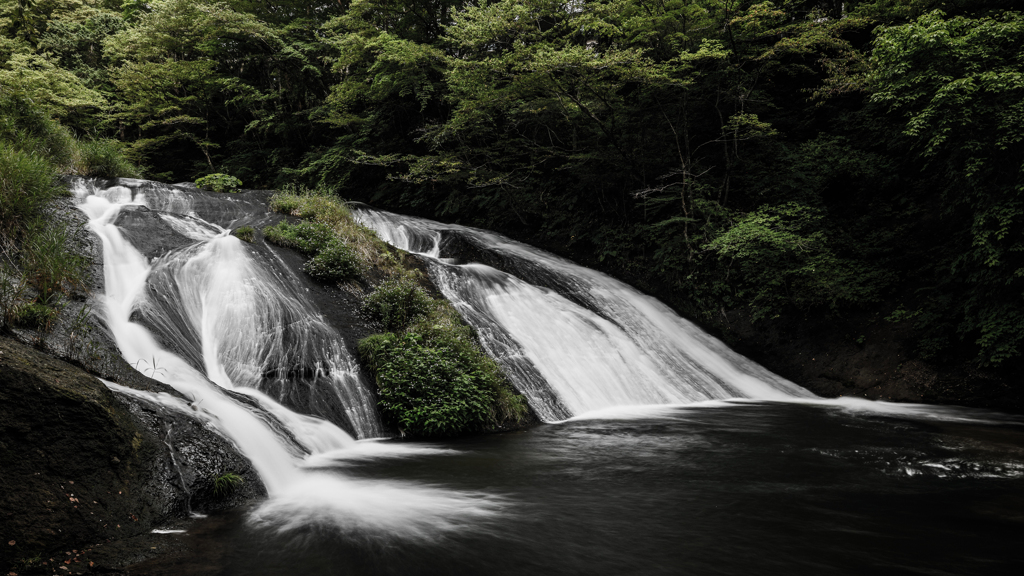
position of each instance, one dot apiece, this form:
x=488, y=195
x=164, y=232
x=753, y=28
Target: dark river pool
x=728, y=488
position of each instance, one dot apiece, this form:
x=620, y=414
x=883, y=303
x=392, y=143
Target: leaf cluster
x=432, y=377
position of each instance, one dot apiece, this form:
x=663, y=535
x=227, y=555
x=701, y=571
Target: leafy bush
x=219, y=183
x=244, y=233
x=394, y=303
x=104, y=158
x=427, y=390
x=334, y=263
x=434, y=380
x=306, y=237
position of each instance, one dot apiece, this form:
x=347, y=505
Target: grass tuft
x=323, y=207
x=244, y=233
x=334, y=263
x=227, y=483
x=27, y=183
x=104, y=158
x=35, y=316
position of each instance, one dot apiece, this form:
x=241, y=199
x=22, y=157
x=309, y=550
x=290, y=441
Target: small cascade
x=239, y=316
x=218, y=285
x=246, y=326
x=571, y=339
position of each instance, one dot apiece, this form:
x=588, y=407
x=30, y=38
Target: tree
x=957, y=84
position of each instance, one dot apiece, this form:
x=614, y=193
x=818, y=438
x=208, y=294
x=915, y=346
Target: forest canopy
x=784, y=160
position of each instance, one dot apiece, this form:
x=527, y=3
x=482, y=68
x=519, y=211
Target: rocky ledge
x=81, y=466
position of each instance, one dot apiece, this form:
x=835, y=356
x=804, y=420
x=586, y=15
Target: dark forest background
x=842, y=163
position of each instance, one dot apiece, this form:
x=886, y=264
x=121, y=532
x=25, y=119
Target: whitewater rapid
x=302, y=491
x=572, y=339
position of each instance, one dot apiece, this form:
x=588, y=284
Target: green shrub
x=26, y=127
x=104, y=158
x=306, y=237
x=27, y=182
x=394, y=303
x=35, y=316
x=219, y=183
x=434, y=380
x=226, y=483
x=426, y=390
x=245, y=233
x=334, y=263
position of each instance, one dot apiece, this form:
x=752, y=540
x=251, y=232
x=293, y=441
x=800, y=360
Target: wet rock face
x=79, y=464
x=149, y=233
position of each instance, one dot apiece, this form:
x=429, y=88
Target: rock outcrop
x=81, y=465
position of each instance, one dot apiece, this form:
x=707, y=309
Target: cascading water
x=241, y=318
x=574, y=340
x=712, y=488
x=230, y=305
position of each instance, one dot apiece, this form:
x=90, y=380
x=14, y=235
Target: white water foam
x=596, y=348
x=595, y=342
x=297, y=496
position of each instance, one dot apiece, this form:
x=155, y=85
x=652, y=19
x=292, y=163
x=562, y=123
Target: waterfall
x=237, y=315
x=571, y=339
x=228, y=304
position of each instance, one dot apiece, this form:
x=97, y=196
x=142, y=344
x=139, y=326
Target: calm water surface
x=744, y=488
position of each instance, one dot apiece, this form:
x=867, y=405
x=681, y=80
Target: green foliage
x=317, y=204
x=219, y=183
x=432, y=377
x=226, y=483
x=333, y=260
x=34, y=316
x=105, y=158
x=396, y=303
x=957, y=85
x=324, y=208
x=244, y=233
x=50, y=267
x=27, y=183
x=336, y=262
x=306, y=237
x=785, y=259
x=25, y=126
x=427, y=390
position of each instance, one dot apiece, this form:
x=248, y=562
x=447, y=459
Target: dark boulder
x=80, y=464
